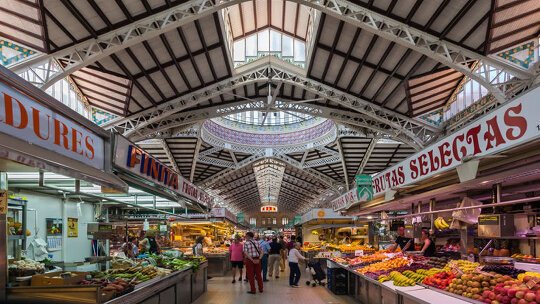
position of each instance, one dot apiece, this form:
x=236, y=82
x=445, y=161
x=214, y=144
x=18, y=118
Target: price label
x=358, y=253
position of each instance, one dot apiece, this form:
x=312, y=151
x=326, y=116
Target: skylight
x=269, y=42
x=278, y=118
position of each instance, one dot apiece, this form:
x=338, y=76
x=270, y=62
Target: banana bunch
x=383, y=278
x=401, y=280
x=440, y=223
x=417, y=277
x=430, y=272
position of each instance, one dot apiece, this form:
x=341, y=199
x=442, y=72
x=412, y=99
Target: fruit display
x=384, y=265
x=351, y=248
x=504, y=270
x=463, y=266
x=440, y=223
x=401, y=280
x=513, y=292
x=439, y=280
x=436, y=262
x=526, y=258
x=531, y=274
x=25, y=267
x=475, y=285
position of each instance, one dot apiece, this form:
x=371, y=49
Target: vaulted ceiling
x=383, y=85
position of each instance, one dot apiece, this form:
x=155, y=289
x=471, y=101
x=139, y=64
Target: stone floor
x=276, y=291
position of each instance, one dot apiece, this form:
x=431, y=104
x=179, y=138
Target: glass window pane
x=251, y=46
x=275, y=41
x=299, y=51
x=264, y=41
x=239, y=50
x=287, y=46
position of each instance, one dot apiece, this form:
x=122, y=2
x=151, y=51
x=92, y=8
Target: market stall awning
x=40, y=132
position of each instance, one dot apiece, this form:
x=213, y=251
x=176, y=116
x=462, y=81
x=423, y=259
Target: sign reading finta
x=137, y=161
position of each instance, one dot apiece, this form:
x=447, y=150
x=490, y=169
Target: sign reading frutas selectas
x=510, y=125
x=345, y=201
x=25, y=118
x=135, y=160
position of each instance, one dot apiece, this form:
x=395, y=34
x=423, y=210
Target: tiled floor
x=276, y=291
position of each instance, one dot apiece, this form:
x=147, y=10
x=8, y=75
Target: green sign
x=297, y=219
x=240, y=217
x=364, y=187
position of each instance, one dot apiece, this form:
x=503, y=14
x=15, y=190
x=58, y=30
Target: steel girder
x=169, y=155
x=472, y=64
x=346, y=117
x=92, y=50
x=367, y=155
x=343, y=165
x=273, y=69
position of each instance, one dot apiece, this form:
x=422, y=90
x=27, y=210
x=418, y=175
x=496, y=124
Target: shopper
x=404, y=243
x=428, y=249
x=236, y=251
x=282, y=253
x=290, y=244
x=265, y=246
x=274, y=258
x=198, y=247
x=294, y=257
x=252, y=260
x=128, y=248
x=149, y=243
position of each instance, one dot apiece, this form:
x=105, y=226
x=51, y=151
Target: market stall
x=216, y=229
x=57, y=192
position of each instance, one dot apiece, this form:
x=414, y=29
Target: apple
x=527, y=279
x=492, y=295
x=506, y=300
x=486, y=293
x=514, y=301
x=495, y=302
x=520, y=294
x=512, y=292
x=530, y=296
x=498, y=297
x=522, y=301
x=537, y=297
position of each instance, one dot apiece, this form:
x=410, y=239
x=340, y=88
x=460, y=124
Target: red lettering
x=401, y=175
x=455, y=149
x=414, y=169
x=37, y=124
x=493, y=134
x=377, y=185
x=76, y=141
x=434, y=161
x=514, y=122
x=10, y=117
x=472, y=138
x=445, y=153
x=60, y=134
x=422, y=161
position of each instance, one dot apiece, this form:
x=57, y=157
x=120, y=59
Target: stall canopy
x=38, y=131
x=140, y=169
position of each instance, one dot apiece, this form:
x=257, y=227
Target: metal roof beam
x=440, y=50
x=367, y=155
x=270, y=68
x=92, y=50
x=169, y=155
x=343, y=165
x=195, y=158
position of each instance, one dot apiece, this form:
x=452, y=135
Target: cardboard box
x=54, y=279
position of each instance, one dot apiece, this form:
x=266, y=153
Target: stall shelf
x=218, y=264
x=199, y=282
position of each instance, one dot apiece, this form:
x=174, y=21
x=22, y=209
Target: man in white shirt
x=294, y=257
